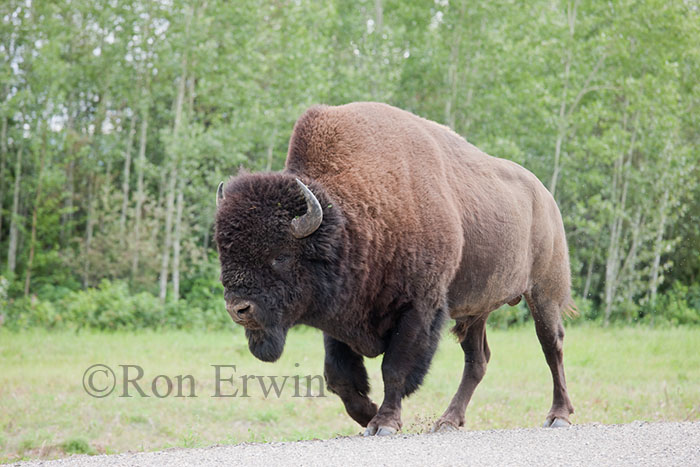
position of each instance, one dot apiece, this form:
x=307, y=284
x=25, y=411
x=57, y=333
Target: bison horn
x=308, y=223
x=219, y=194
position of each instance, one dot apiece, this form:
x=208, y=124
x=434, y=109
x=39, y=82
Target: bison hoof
x=443, y=426
x=556, y=423
x=382, y=431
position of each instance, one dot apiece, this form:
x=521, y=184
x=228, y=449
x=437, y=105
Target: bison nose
x=238, y=308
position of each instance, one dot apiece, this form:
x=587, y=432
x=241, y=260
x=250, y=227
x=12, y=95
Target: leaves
x=598, y=99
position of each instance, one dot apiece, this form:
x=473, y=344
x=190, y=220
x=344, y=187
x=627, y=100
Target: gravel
x=635, y=444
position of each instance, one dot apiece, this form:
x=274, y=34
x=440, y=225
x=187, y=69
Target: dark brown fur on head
x=262, y=262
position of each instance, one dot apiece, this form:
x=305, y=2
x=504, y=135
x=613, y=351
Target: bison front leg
x=346, y=376
x=410, y=350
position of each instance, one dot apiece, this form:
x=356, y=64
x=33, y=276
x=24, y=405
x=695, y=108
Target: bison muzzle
x=382, y=226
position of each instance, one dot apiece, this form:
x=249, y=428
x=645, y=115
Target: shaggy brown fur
x=418, y=225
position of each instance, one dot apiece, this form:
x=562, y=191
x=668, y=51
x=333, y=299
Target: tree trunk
x=92, y=187
x=378, y=16
x=173, y=182
x=654, y=282
x=3, y=162
x=126, y=175
x=562, y=121
x=375, y=64
x=14, y=215
x=566, y=109
x=612, y=265
x=88, y=230
x=589, y=275
x=271, y=150
x=629, y=265
x=140, y=165
x=176, y=244
x=143, y=137
x=180, y=204
x=452, y=73
x=205, y=241
x=167, y=244
x=35, y=210
x=67, y=216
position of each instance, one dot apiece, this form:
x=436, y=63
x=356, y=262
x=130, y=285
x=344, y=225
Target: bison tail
x=570, y=310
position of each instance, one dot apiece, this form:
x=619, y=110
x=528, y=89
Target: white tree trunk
x=35, y=211
x=562, y=121
x=171, y=187
x=176, y=244
x=612, y=264
x=126, y=175
x=168, y=240
x=658, y=244
x=173, y=182
x=14, y=216
x=589, y=275
x=3, y=163
x=92, y=188
x=88, y=231
x=271, y=150
x=67, y=217
x=140, y=165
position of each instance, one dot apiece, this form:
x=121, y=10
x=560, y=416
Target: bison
x=381, y=226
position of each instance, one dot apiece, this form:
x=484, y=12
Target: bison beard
x=380, y=227
x=267, y=345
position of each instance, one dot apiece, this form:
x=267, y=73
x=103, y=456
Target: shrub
x=508, y=316
x=680, y=305
x=77, y=446
x=111, y=306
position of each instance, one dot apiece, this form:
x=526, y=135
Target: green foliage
x=111, y=307
x=77, y=446
x=508, y=316
x=679, y=306
x=118, y=119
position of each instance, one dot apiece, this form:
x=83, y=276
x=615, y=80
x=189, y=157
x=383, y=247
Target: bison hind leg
x=460, y=330
x=462, y=325
x=472, y=336
x=546, y=313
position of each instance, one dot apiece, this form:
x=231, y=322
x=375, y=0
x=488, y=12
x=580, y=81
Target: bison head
x=272, y=254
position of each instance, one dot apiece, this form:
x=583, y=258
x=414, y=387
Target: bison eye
x=281, y=260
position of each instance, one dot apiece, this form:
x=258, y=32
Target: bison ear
x=219, y=194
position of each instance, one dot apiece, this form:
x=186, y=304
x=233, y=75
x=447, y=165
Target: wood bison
x=381, y=226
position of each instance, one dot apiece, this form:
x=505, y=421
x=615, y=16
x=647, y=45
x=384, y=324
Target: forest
x=118, y=119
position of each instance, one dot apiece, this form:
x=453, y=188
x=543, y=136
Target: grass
x=614, y=376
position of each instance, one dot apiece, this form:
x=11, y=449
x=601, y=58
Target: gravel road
x=636, y=444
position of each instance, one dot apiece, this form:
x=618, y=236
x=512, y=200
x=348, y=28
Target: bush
x=508, y=316
x=77, y=446
x=111, y=306
x=587, y=311
x=678, y=306
x=31, y=312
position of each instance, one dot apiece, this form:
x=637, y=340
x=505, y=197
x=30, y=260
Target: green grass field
x=614, y=376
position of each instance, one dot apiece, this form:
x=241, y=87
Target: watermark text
x=130, y=380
